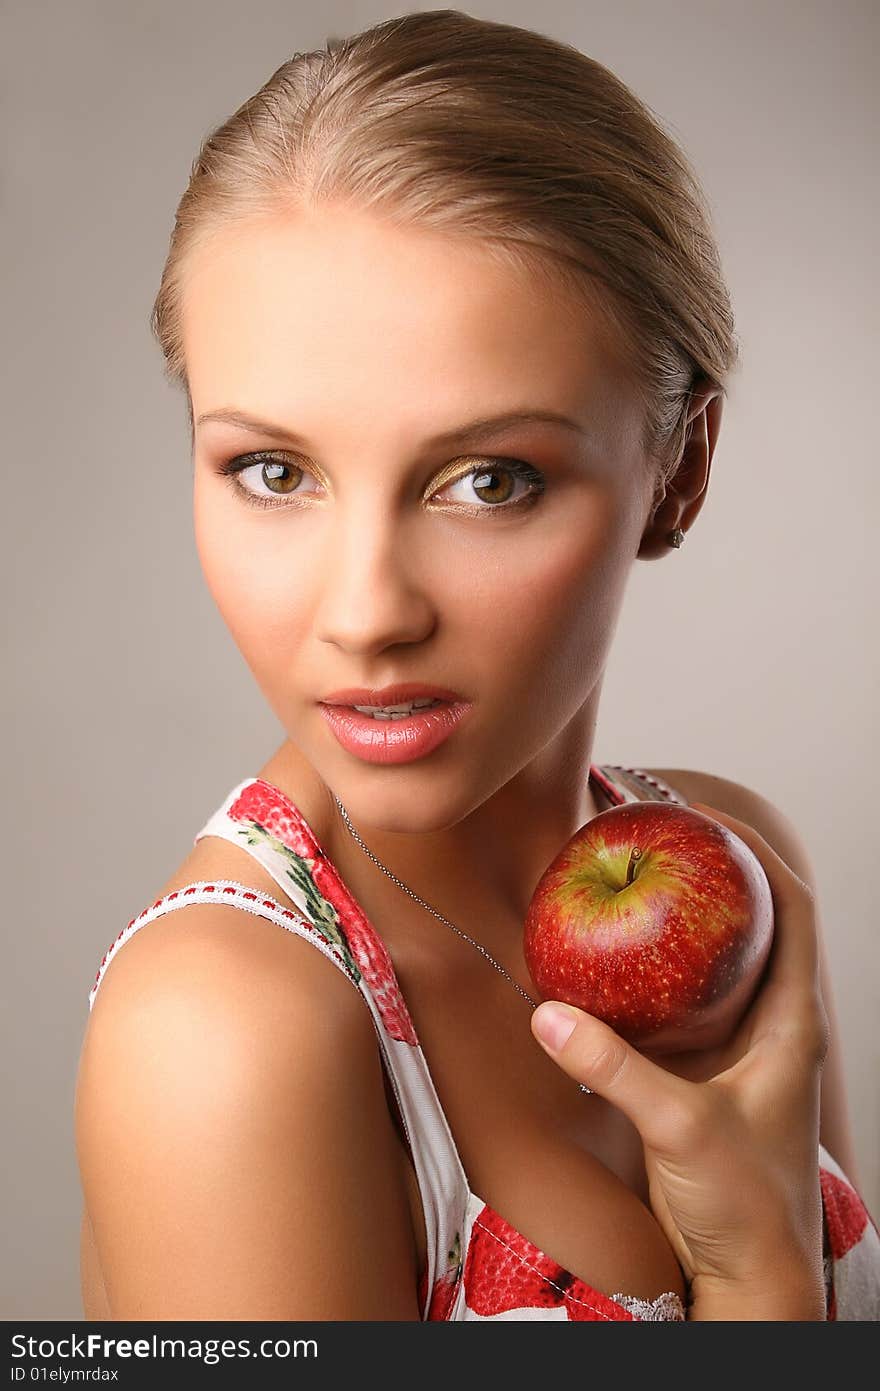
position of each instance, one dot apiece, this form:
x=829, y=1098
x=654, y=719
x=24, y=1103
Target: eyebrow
x=472, y=430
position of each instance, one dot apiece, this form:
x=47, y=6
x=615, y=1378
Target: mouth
x=409, y=728
x=395, y=712
x=393, y=702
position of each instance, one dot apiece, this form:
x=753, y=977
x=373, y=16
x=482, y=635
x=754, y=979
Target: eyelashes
x=483, y=473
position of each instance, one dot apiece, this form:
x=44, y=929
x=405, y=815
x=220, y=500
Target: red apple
x=656, y=919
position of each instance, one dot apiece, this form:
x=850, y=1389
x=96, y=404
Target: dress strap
x=225, y=891
x=261, y=819
x=625, y=784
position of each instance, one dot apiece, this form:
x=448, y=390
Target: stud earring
x=675, y=537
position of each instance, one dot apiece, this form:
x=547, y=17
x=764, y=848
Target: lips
x=397, y=694
x=394, y=741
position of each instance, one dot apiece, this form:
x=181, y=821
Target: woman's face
x=391, y=551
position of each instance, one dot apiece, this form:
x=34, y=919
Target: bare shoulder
x=748, y=806
x=236, y=1151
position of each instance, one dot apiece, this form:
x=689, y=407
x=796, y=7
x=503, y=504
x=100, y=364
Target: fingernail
x=553, y=1024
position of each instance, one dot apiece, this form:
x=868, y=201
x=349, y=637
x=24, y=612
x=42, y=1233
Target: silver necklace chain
x=407, y=890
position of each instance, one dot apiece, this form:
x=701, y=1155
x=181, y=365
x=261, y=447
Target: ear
x=677, y=503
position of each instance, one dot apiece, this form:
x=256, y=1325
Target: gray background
x=128, y=712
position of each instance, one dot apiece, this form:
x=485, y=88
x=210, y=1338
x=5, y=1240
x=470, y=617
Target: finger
x=663, y=1108
x=794, y=959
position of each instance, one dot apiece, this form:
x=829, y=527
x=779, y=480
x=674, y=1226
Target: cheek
x=253, y=584
x=555, y=609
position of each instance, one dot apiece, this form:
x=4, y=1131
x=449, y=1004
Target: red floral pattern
x=504, y=1271
x=846, y=1216
x=445, y=1286
x=263, y=807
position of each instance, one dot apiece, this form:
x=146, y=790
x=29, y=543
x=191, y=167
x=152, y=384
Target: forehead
x=330, y=309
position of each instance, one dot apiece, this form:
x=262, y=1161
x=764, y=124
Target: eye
x=493, y=481
x=281, y=477
x=490, y=481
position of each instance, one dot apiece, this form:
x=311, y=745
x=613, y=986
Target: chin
x=374, y=804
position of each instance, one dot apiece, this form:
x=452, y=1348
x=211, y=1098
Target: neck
x=481, y=872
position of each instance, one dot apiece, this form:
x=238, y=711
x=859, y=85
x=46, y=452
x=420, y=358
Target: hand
x=730, y=1134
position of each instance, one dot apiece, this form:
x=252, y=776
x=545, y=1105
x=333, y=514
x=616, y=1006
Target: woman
x=447, y=309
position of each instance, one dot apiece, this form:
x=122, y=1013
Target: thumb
x=661, y=1105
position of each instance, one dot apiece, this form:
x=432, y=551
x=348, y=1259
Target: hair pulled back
x=447, y=122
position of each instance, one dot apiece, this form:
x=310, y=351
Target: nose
x=371, y=597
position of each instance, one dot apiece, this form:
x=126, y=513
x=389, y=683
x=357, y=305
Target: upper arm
x=748, y=806
x=235, y=1146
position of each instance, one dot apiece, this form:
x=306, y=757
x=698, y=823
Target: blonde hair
x=462, y=125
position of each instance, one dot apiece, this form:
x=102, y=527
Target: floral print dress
x=478, y=1266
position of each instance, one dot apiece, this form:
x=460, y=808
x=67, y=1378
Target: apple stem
x=634, y=858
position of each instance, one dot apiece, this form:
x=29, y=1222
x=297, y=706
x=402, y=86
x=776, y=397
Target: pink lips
x=391, y=695
x=394, y=741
